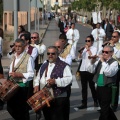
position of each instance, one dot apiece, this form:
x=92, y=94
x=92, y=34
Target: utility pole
x=15, y=19
x=29, y=17
x=35, y=14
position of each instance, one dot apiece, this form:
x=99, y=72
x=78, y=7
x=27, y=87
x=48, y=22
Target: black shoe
x=99, y=110
x=82, y=106
x=96, y=104
x=38, y=115
x=1, y=107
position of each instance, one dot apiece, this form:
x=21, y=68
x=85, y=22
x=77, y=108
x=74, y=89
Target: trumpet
x=80, y=50
x=93, y=57
x=106, y=43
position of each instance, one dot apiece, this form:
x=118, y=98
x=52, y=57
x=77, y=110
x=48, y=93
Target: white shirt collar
x=19, y=55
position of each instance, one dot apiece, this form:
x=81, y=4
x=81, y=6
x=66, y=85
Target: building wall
x=8, y=19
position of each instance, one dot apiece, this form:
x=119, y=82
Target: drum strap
x=46, y=71
x=13, y=65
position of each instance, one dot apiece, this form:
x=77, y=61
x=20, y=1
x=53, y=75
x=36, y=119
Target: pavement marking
x=74, y=83
x=87, y=109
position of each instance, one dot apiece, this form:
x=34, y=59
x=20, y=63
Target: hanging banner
x=99, y=17
x=96, y=17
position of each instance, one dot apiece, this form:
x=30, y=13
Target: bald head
x=59, y=45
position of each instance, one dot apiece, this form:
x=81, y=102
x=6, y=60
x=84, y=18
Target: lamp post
x=29, y=17
x=15, y=19
x=35, y=13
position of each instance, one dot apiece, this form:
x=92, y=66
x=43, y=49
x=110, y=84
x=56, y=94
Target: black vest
x=107, y=80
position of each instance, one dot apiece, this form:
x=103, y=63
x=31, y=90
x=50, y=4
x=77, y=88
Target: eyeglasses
x=87, y=40
x=114, y=36
x=50, y=53
x=58, y=46
x=106, y=52
x=33, y=37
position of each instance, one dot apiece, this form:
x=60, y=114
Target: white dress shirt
x=67, y=60
x=85, y=60
x=108, y=70
x=34, y=53
x=60, y=82
x=41, y=48
x=30, y=68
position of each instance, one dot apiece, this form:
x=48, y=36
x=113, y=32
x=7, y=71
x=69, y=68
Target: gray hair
x=36, y=33
x=53, y=47
x=110, y=47
x=20, y=41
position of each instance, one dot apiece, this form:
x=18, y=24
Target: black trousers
x=86, y=78
x=117, y=92
x=58, y=110
x=104, y=96
x=1, y=103
x=17, y=105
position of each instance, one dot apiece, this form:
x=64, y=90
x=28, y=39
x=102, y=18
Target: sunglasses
x=50, y=53
x=87, y=40
x=106, y=52
x=58, y=46
x=114, y=36
x=33, y=37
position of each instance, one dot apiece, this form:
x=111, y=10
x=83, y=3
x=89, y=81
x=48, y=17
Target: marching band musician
x=87, y=77
x=67, y=47
x=29, y=49
x=57, y=75
x=35, y=42
x=99, y=36
x=68, y=58
x=23, y=65
x=114, y=42
x=73, y=36
x=105, y=69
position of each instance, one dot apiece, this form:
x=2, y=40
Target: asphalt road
x=90, y=113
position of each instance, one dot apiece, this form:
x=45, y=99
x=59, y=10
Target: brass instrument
x=80, y=50
x=106, y=43
x=93, y=57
